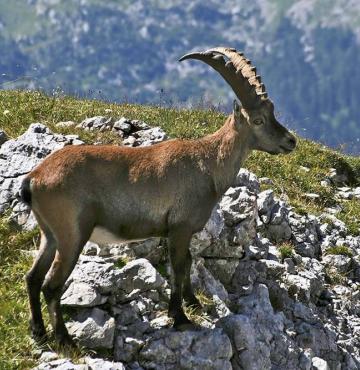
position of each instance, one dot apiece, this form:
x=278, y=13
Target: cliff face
x=279, y=289
x=307, y=51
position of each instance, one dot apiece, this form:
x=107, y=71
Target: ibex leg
x=34, y=280
x=179, y=240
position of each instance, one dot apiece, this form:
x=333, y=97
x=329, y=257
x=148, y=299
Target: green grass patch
x=286, y=250
x=16, y=346
x=23, y=108
x=350, y=214
x=340, y=250
x=121, y=262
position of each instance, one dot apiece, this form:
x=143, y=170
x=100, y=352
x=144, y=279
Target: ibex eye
x=258, y=121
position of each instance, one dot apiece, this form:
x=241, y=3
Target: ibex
x=82, y=193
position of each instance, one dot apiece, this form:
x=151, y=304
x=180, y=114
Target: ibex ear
x=236, y=109
x=237, y=112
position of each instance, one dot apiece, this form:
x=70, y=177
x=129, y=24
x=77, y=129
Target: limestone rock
x=91, y=281
x=61, y=364
x=135, y=277
x=247, y=179
x=101, y=364
x=319, y=364
x=205, y=349
x=340, y=262
x=203, y=280
x=19, y=156
x=93, y=328
x=96, y=123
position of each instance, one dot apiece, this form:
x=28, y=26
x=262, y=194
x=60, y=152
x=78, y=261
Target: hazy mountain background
x=307, y=51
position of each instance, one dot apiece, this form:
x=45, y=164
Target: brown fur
x=166, y=190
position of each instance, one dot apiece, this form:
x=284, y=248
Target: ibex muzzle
x=166, y=190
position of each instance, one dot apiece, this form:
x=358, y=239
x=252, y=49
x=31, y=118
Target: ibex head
x=256, y=110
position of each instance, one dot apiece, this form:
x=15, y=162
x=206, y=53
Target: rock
x=66, y=124
x=265, y=204
x=81, y=294
x=340, y=262
x=3, y=137
x=289, y=265
x=243, y=338
x=247, y=179
x=146, y=137
x=253, y=332
x=93, y=328
x=135, y=277
x=304, y=286
x=306, y=234
x=123, y=124
x=96, y=123
x=203, y=280
x=127, y=348
x=138, y=125
x=231, y=227
x=312, y=196
x=90, y=283
x=274, y=269
x=273, y=220
x=48, y=356
x=237, y=205
x=319, y=364
x=90, y=364
x=19, y=156
x=205, y=349
x=246, y=275
x=91, y=249
x=210, y=234
x=325, y=183
x=61, y=364
x=265, y=181
x=222, y=269
x=101, y=364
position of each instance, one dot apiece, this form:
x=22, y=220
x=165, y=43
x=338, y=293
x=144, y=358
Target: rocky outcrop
x=21, y=155
x=275, y=293
x=134, y=132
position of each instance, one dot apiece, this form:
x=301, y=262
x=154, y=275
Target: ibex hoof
x=38, y=334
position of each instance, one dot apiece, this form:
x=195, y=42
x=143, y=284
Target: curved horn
x=237, y=72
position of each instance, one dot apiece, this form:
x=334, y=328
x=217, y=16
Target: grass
x=16, y=347
x=200, y=316
x=121, y=262
x=19, y=108
x=334, y=277
x=286, y=250
x=340, y=250
x=27, y=107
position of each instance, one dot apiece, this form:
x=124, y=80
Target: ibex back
x=166, y=190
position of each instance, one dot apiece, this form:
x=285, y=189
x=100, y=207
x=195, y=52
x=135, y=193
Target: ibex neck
x=229, y=148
